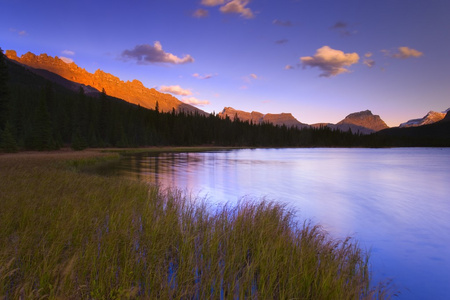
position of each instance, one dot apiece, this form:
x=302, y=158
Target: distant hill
x=130, y=91
x=286, y=119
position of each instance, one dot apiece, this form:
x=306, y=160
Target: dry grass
x=72, y=235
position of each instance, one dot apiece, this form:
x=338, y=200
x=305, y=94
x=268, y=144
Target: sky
x=317, y=59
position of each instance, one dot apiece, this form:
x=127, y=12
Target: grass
x=72, y=235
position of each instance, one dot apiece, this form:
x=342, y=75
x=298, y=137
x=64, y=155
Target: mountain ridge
x=430, y=118
x=286, y=119
x=131, y=91
x=363, y=122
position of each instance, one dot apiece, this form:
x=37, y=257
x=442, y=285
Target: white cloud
x=148, y=54
x=66, y=60
x=195, y=101
x=19, y=32
x=282, y=41
x=369, y=62
x=68, y=52
x=248, y=79
x=289, y=67
x=200, y=13
x=332, y=62
x=406, y=52
x=231, y=7
x=175, y=89
x=343, y=28
x=212, y=2
x=207, y=76
x=282, y=23
x=237, y=7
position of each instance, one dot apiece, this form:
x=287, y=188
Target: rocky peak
x=364, y=119
x=11, y=54
x=360, y=115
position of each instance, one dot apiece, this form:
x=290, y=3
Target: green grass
x=73, y=235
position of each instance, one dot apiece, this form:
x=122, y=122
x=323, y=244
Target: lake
x=395, y=202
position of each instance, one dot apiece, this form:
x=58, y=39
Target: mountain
x=363, y=122
x=257, y=118
x=130, y=91
x=364, y=119
x=430, y=118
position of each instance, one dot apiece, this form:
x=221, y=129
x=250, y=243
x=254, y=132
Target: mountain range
x=363, y=122
x=255, y=117
x=73, y=77
x=130, y=91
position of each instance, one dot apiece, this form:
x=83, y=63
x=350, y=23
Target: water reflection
x=395, y=201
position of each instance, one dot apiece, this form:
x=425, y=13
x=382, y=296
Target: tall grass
x=72, y=235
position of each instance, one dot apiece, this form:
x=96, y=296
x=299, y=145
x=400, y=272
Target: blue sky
x=318, y=59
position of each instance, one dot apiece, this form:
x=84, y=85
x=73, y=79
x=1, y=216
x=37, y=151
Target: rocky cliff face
x=364, y=119
x=131, y=91
x=430, y=118
x=256, y=117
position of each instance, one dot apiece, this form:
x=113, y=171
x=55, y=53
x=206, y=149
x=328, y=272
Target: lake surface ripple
x=395, y=202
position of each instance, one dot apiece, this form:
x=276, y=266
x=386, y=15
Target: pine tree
x=4, y=93
x=104, y=119
x=78, y=141
x=7, y=140
x=41, y=138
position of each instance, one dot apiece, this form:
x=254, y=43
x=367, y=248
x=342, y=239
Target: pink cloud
x=147, y=54
x=332, y=62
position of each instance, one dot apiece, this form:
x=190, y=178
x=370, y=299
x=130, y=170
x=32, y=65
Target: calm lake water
x=395, y=202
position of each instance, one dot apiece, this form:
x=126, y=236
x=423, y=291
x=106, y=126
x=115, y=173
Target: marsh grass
x=72, y=235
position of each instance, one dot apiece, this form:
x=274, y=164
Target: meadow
x=69, y=234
